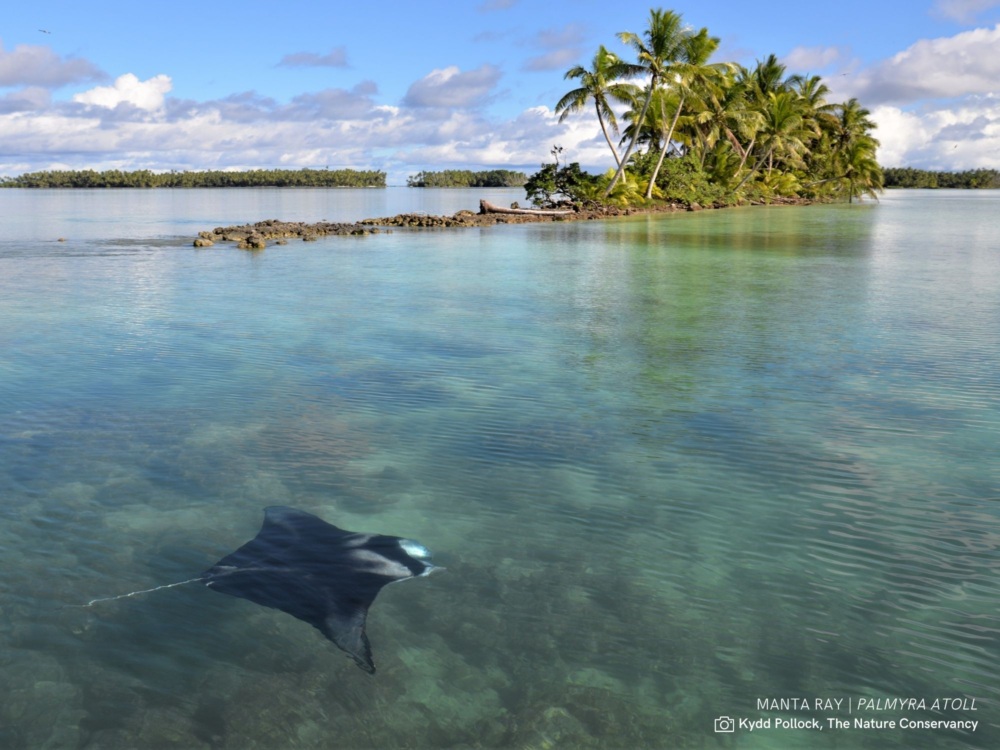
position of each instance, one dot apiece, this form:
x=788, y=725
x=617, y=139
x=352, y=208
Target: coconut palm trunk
x=600, y=119
x=631, y=144
x=601, y=84
x=756, y=166
x=663, y=151
x=657, y=48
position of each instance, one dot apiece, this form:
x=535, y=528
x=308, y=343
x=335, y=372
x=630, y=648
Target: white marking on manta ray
x=357, y=540
x=415, y=549
x=373, y=562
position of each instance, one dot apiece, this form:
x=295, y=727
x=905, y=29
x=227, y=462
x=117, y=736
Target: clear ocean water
x=675, y=466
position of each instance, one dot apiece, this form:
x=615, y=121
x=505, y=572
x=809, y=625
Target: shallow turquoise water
x=674, y=465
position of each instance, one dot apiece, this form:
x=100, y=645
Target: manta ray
x=326, y=576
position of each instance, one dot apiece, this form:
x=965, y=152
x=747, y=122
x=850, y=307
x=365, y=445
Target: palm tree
x=860, y=170
x=782, y=132
x=658, y=47
x=726, y=116
x=813, y=91
x=655, y=127
x=692, y=74
x=768, y=77
x=853, y=150
x=851, y=122
x=599, y=84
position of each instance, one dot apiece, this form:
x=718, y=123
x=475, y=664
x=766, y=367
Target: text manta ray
x=316, y=572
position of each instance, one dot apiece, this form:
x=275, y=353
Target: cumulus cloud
x=31, y=65
x=333, y=104
x=812, y=58
x=963, y=11
x=28, y=99
x=555, y=60
x=128, y=89
x=443, y=122
x=947, y=67
x=335, y=58
x=560, y=48
x=523, y=143
x=957, y=137
x=450, y=87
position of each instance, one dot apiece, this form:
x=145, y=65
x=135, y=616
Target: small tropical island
x=465, y=178
x=694, y=132
x=682, y=131
x=710, y=133
x=144, y=178
x=970, y=179
x=698, y=134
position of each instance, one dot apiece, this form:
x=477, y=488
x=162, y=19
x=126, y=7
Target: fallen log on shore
x=485, y=207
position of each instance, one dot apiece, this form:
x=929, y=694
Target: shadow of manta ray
x=326, y=576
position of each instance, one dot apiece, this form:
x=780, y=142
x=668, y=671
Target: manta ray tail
x=92, y=602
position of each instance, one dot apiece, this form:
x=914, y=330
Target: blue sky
x=404, y=86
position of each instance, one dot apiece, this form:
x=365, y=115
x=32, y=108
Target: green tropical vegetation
x=143, y=178
x=907, y=177
x=712, y=133
x=464, y=178
x=598, y=84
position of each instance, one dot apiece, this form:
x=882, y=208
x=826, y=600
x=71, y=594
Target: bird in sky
x=45, y=31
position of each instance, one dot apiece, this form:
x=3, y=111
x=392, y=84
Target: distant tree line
x=907, y=177
x=143, y=178
x=467, y=178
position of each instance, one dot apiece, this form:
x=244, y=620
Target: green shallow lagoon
x=674, y=465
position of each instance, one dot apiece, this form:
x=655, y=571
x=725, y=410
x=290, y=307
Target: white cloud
x=31, y=65
x=808, y=59
x=561, y=47
x=443, y=121
x=965, y=136
x=555, y=60
x=450, y=87
x=331, y=104
x=936, y=103
x=336, y=58
x=28, y=99
x=964, y=11
x=128, y=89
x=947, y=67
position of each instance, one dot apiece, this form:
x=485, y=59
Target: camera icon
x=725, y=724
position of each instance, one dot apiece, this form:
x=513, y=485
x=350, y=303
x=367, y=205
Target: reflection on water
x=673, y=465
x=120, y=218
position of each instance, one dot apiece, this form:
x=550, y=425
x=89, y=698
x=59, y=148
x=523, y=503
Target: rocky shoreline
x=256, y=236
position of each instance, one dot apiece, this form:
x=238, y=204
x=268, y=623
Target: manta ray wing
x=318, y=573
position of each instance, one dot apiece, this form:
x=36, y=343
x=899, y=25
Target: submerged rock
x=254, y=236
x=252, y=242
